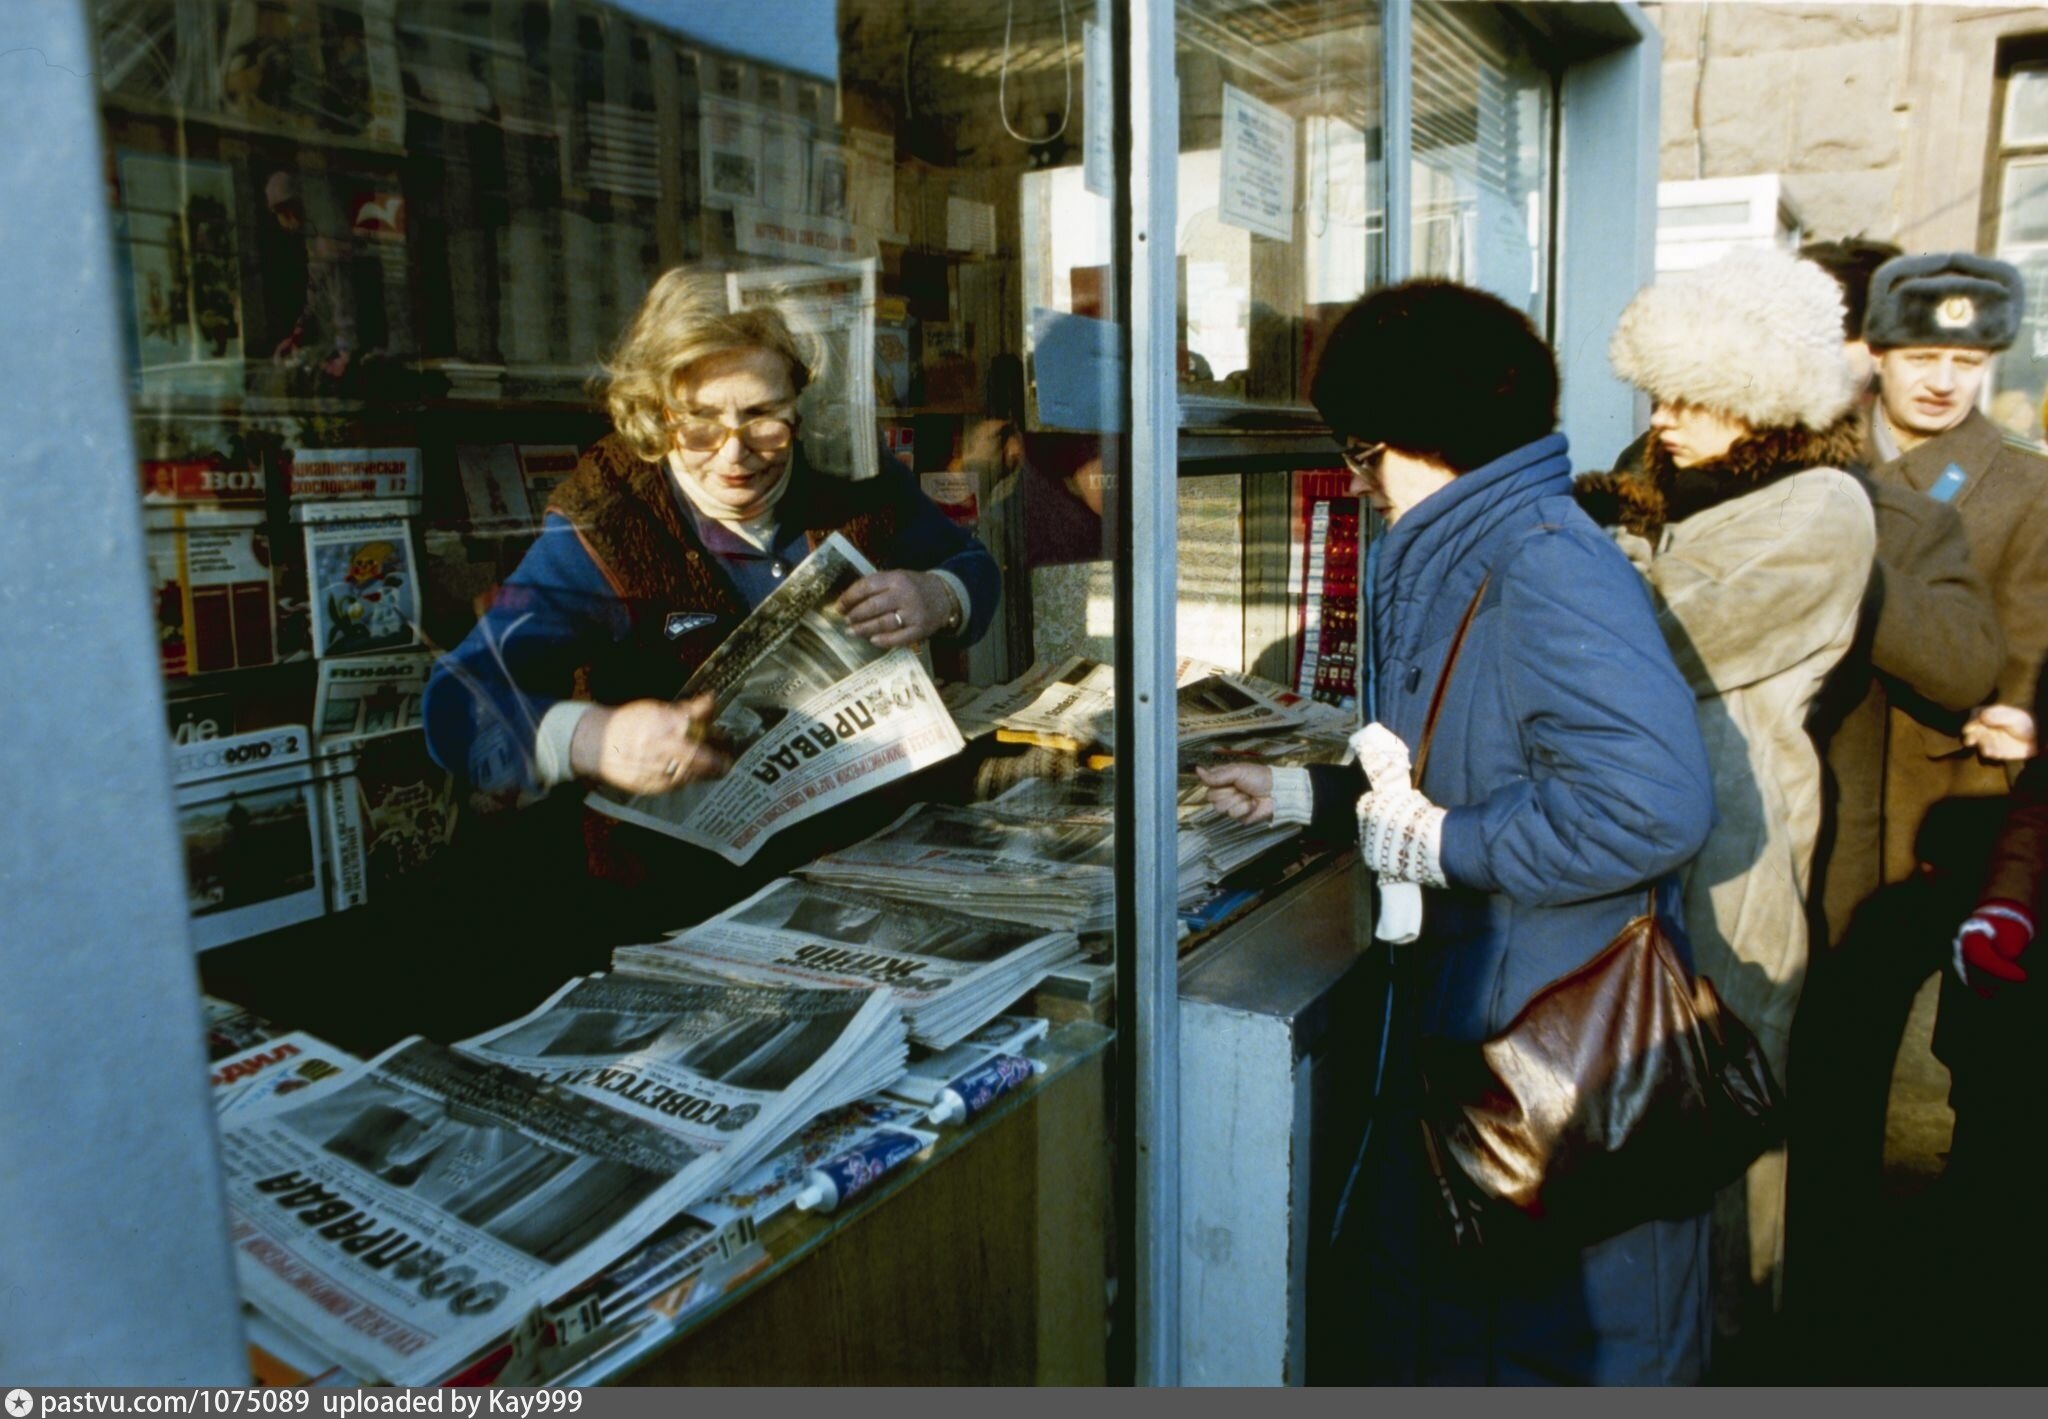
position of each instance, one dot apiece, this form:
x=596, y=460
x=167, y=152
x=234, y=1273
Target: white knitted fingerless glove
x=1401, y=835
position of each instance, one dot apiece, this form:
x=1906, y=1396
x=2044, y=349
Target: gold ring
x=675, y=766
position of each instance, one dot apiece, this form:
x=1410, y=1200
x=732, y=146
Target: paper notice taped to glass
x=1258, y=166
x=1098, y=167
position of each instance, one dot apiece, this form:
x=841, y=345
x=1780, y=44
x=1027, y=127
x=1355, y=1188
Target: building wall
x=1878, y=117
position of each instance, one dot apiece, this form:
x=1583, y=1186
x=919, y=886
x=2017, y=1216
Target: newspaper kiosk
x=354, y=264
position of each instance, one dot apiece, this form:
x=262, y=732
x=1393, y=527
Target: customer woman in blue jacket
x=1567, y=779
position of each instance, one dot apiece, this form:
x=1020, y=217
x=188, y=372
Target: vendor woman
x=672, y=528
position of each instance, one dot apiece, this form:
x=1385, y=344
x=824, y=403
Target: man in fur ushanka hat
x=1757, y=547
x=1935, y=323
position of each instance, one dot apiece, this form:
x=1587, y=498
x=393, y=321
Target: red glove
x=1989, y=946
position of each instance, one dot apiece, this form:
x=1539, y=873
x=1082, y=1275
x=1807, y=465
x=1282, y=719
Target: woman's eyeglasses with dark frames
x=1362, y=459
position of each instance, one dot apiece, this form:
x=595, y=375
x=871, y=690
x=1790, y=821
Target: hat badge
x=1955, y=313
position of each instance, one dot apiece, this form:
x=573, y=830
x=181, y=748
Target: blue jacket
x=1567, y=752
x=1569, y=757
x=559, y=614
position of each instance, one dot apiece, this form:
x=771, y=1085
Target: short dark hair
x=1851, y=261
x=1439, y=370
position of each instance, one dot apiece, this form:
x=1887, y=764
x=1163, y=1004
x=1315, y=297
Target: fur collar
x=1644, y=498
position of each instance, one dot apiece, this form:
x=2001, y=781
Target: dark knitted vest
x=678, y=604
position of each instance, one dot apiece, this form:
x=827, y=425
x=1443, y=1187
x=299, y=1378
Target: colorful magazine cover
x=365, y=593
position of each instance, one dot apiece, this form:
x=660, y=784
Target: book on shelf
x=204, y=478
x=388, y=809
x=363, y=583
x=494, y=486
x=254, y=849
x=175, y=238
x=210, y=575
x=546, y=466
x=358, y=473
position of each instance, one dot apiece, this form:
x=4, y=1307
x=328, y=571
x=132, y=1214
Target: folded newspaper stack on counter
x=1209, y=843
x=1050, y=874
x=733, y=1069
x=1076, y=706
x=950, y=972
x=812, y=714
x=1321, y=736
x=405, y=1222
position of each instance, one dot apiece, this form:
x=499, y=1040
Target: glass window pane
x=1279, y=193
x=2020, y=374
x=2026, y=106
x=507, y=375
x=2023, y=214
x=1480, y=183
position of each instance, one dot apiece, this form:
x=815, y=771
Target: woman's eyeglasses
x=766, y=435
x=1362, y=458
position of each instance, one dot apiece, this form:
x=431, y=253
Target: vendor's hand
x=1240, y=791
x=899, y=608
x=647, y=746
x=2001, y=733
x=1990, y=944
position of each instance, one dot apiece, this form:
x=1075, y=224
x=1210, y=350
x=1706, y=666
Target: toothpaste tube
x=856, y=1170
x=978, y=1088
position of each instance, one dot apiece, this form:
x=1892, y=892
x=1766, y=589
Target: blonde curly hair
x=683, y=319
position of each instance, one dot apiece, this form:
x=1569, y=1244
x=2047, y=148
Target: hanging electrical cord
x=1003, y=79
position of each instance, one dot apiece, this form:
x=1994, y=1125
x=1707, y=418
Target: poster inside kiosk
x=253, y=847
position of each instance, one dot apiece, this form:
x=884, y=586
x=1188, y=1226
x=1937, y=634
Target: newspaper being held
x=1077, y=707
x=729, y=1069
x=813, y=714
x=1051, y=874
x=412, y=1216
x=951, y=973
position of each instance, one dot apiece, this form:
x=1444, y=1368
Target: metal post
x=117, y=1269
x=1397, y=133
x=1148, y=1001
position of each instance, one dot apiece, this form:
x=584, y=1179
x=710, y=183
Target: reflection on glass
x=1279, y=194
x=1481, y=156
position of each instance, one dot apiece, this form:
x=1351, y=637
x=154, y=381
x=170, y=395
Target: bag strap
x=1443, y=682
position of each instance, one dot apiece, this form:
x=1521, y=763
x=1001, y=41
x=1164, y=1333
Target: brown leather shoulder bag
x=1624, y=1090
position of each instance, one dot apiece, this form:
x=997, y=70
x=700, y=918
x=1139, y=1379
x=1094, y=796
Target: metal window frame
x=1148, y=976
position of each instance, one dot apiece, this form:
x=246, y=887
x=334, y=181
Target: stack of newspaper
x=408, y=1219
x=1210, y=844
x=1074, y=705
x=950, y=972
x=1053, y=873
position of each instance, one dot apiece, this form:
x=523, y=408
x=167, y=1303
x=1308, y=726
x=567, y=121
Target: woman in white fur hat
x=1757, y=548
